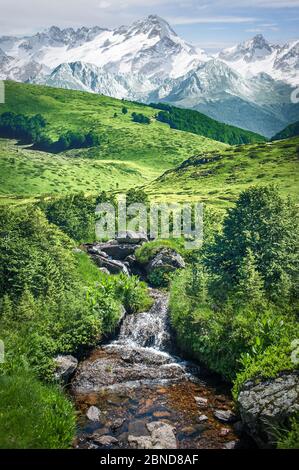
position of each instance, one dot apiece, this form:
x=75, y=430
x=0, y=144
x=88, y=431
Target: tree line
x=197, y=123
x=31, y=130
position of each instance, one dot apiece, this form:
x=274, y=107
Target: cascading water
x=148, y=329
x=138, y=386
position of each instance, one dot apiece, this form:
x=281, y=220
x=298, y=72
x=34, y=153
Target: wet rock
x=189, y=430
x=224, y=432
x=162, y=414
x=225, y=416
x=138, y=428
x=230, y=445
x=96, y=250
x=201, y=402
x=161, y=436
x=140, y=442
x=119, y=251
x=202, y=418
x=117, y=423
x=65, y=367
x=167, y=259
x=146, y=408
x=268, y=405
x=93, y=413
x=132, y=237
x=113, y=266
x=131, y=260
x=106, y=440
x=97, y=434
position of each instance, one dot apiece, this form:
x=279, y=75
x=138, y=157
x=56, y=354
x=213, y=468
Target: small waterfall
x=148, y=329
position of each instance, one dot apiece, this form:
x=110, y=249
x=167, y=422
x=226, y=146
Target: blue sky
x=210, y=24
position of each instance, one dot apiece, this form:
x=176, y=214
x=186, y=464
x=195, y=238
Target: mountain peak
x=257, y=42
x=152, y=25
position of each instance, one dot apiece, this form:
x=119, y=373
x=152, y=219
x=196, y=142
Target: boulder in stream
x=161, y=436
x=93, y=413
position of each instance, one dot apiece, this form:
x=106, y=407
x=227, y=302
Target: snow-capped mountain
x=248, y=85
x=148, y=47
x=259, y=56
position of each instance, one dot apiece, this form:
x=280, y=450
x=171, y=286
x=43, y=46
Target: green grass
x=130, y=153
x=33, y=415
x=31, y=173
x=217, y=178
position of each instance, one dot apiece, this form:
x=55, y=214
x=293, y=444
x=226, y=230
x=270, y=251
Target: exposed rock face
x=117, y=256
x=65, y=367
x=112, y=265
x=161, y=436
x=267, y=405
x=116, y=251
x=120, y=368
x=166, y=259
x=132, y=237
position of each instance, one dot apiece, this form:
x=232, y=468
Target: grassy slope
x=219, y=181
x=27, y=173
x=290, y=131
x=153, y=148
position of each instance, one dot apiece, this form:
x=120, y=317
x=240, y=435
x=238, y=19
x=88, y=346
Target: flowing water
x=138, y=379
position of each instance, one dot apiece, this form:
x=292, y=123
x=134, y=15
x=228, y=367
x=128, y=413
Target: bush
x=140, y=118
x=74, y=214
x=239, y=342
x=132, y=293
x=289, y=438
x=33, y=415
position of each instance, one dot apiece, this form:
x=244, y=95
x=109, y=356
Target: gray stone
x=225, y=416
x=230, y=445
x=202, y=418
x=65, y=367
x=118, y=252
x=161, y=436
x=93, y=413
x=201, y=402
x=167, y=259
x=106, y=440
x=132, y=237
x=117, y=423
x=113, y=266
x=267, y=405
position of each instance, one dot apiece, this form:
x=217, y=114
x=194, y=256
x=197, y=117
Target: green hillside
x=155, y=146
x=193, y=121
x=290, y=131
x=217, y=178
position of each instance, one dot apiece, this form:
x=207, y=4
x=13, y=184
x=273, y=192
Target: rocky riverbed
x=135, y=392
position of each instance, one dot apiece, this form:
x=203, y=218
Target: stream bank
x=136, y=392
